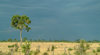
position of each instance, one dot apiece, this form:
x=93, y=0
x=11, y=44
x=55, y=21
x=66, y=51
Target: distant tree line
x=42, y=40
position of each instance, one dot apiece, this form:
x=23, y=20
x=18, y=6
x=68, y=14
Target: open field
x=60, y=47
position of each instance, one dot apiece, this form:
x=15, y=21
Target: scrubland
x=61, y=47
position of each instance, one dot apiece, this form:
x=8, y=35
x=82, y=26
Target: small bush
x=45, y=53
x=93, y=51
x=82, y=48
x=14, y=47
x=26, y=48
x=48, y=49
x=53, y=48
x=77, y=53
x=98, y=49
x=70, y=49
x=10, y=46
x=31, y=52
x=64, y=54
x=37, y=52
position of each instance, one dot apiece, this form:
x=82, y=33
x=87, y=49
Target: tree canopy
x=20, y=22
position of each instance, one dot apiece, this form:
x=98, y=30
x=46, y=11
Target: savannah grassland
x=60, y=47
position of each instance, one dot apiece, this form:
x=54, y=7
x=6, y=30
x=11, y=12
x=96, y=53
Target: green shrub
x=77, y=53
x=37, y=52
x=31, y=52
x=82, y=48
x=10, y=46
x=70, y=49
x=64, y=54
x=98, y=49
x=45, y=53
x=95, y=52
x=14, y=47
x=53, y=48
x=48, y=49
x=26, y=48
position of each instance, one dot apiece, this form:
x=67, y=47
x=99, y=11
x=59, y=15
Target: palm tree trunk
x=20, y=37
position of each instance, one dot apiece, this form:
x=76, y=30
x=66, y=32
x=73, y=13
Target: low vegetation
x=81, y=48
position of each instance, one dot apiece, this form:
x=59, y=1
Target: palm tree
x=20, y=23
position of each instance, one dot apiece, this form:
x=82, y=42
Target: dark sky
x=52, y=19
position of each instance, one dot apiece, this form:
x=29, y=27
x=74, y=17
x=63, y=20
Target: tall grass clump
x=37, y=51
x=82, y=48
x=52, y=49
x=45, y=53
x=64, y=51
x=98, y=49
x=13, y=48
x=95, y=52
x=26, y=48
x=69, y=49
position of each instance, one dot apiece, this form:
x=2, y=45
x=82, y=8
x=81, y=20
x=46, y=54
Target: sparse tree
x=15, y=40
x=9, y=40
x=20, y=23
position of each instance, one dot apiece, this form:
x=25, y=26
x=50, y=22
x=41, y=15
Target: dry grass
x=44, y=45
